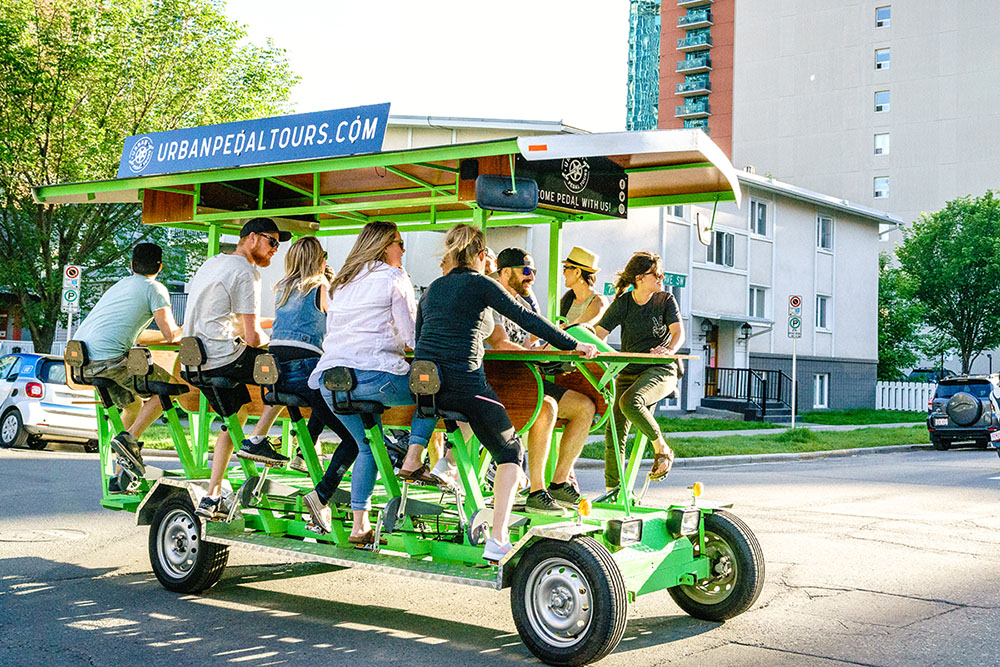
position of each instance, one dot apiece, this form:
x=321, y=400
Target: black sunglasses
x=270, y=239
x=400, y=242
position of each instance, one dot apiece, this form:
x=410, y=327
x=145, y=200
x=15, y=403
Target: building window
x=882, y=58
x=882, y=16
x=758, y=217
x=758, y=302
x=676, y=211
x=882, y=144
x=881, y=187
x=720, y=251
x=823, y=312
x=881, y=101
x=821, y=390
x=824, y=232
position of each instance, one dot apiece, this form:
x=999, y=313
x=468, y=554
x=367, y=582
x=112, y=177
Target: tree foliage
x=952, y=261
x=899, y=321
x=76, y=78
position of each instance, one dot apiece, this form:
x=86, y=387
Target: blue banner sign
x=303, y=136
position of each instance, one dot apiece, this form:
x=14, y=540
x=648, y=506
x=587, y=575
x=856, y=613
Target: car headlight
x=623, y=532
x=684, y=521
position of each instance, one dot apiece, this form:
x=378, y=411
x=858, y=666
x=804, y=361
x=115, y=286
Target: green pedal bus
x=571, y=579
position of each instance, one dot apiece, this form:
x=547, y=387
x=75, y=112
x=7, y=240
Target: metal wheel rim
x=725, y=571
x=9, y=429
x=559, y=602
x=177, y=543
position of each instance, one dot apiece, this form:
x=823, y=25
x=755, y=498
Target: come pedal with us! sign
x=71, y=288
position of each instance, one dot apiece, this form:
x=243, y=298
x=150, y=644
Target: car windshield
x=977, y=389
x=53, y=372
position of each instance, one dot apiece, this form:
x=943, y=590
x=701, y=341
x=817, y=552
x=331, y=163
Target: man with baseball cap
x=223, y=311
x=111, y=328
x=516, y=273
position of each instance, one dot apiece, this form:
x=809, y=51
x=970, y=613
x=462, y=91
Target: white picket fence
x=8, y=346
x=903, y=395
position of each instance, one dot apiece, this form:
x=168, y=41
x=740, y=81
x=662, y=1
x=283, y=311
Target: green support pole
x=308, y=449
x=382, y=462
x=271, y=525
x=466, y=472
x=555, y=234
x=479, y=217
x=191, y=468
x=286, y=437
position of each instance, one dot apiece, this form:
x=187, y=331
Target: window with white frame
x=823, y=312
x=758, y=302
x=676, y=211
x=821, y=390
x=721, y=250
x=882, y=58
x=882, y=99
x=824, y=232
x=883, y=16
x=758, y=217
x=881, y=187
x=882, y=143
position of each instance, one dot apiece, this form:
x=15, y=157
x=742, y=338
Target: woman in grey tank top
x=581, y=304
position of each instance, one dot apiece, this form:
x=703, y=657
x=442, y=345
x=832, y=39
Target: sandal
x=421, y=475
x=366, y=539
x=656, y=473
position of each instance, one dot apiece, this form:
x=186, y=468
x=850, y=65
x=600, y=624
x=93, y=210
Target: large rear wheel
x=737, y=571
x=569, y=601
x=181, y=561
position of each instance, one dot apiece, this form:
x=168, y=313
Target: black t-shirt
x=643, y=327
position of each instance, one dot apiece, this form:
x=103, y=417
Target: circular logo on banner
x=140, y=155
x=794, y=323
x=72, y=272
x=575, y=173
x=70, y=295
x=794, y=301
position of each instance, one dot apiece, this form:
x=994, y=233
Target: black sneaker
x=114, y=486
x=212, y=508
x=128, y=449
x=566, y=495
x=540, y=502
x=261, y=452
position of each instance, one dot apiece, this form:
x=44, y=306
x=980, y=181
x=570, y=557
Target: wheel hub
x=559, y=602
x=721, y=582
x=178, y=543
x=9, y=429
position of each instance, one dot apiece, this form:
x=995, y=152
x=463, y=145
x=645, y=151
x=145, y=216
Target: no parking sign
x=71, y=288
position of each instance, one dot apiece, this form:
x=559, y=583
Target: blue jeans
x=389, y=390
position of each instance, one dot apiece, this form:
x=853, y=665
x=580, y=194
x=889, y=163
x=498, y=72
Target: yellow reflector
x=584, y=507
x=696, y=489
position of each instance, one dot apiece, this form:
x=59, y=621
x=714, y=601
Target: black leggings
x=343, y=456
x=488, y=419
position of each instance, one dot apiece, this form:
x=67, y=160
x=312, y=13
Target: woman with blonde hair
x=650, y=323
x=449, y=323
x=296, y=340
x=369, y=323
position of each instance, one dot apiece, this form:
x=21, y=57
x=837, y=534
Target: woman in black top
x=449, y=318
x=650, y=323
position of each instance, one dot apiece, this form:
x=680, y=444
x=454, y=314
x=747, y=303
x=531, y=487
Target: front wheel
x=12, y=433
x=736, y=573
x=569, y=601
x=181, y=561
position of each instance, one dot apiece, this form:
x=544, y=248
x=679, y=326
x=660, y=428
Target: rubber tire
x=209, y=563
x=610, y=600
x=940, y=445
x=749, y=559
x=37, y=444
x=92, y=446
x=20, y=438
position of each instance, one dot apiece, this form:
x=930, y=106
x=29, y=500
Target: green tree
x=952, y=260
x=76, y=78
x=899, y=321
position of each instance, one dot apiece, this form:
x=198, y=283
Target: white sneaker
x=494, y=551
x=318, y=512
x=444, y=472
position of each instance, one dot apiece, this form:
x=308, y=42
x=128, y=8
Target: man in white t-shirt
x=223, y=311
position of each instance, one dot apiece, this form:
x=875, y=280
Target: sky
x=556, y=60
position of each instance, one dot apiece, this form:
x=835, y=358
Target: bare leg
x=129, y=413
x=268, y=416
x=503, y=499
x=579, y=411
x=150, y=410
x=362, y=524
x=220, y=457
x=435, y=448
x=414, y=458
x=539, y=440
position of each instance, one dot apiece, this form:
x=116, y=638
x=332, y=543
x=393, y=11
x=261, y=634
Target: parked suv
x=36, y=405
x=965, y=409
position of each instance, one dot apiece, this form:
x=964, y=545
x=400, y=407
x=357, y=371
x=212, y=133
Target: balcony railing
x=756, y=387
x=694, y=65
x=694, y=110
x=694, y=42
x=697, y=18
x=693, y=87
x=693, y=3
x=696, y=124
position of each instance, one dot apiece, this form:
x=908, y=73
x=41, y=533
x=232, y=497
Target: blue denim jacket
x=299, y=323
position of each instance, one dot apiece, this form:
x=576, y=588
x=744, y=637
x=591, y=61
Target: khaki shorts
x=124, y=394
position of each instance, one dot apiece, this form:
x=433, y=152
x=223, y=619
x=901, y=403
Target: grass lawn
x=157, y=436
x=863, y=416
x=791, y=441
x=675, y=424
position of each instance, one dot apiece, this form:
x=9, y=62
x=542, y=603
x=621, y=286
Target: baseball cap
x=263, y=226
x=514, y=257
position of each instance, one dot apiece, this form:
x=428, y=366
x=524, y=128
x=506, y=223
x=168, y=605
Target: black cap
x=514, y=257
x=265, y=226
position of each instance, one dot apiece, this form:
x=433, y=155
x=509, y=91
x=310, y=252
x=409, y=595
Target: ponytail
x=641, y=262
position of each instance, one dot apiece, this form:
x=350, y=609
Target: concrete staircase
x=776, y=413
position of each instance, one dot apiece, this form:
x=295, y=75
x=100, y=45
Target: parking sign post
x=71, y=294
x=794, y=332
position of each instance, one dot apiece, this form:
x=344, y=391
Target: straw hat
x=581, y=258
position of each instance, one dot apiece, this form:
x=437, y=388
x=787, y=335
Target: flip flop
x=655, y=473
x=421, y=475
x=366, y=539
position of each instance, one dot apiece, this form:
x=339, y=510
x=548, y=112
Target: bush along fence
x=903, y=395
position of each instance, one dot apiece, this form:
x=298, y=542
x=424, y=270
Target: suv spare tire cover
x=964, y=409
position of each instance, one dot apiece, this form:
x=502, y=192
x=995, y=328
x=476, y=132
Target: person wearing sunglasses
x=649, y=320
x=223, y=311
x=581, y=304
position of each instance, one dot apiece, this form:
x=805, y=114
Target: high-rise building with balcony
x=643, y=65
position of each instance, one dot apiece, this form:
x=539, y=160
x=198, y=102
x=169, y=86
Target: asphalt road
x=886, y=559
